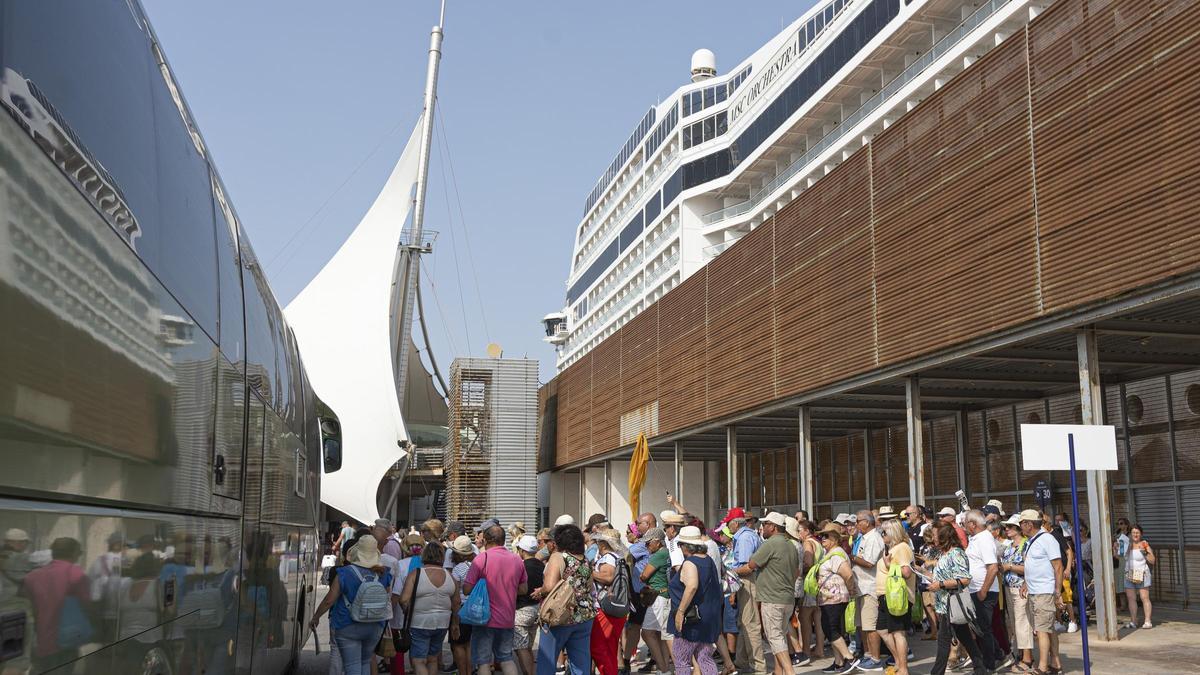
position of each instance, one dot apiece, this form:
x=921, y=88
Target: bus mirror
x=331, y=444
x=332, y=452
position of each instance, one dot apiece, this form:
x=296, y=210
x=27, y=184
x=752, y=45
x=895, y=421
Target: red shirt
x=47, y=589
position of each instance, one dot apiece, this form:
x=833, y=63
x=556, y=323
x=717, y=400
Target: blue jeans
x=491, y=645
x=575, y=638
x=356, y=644
x=426, y=642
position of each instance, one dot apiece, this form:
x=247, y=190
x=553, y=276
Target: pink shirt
x=504, y=572
x=47, y=588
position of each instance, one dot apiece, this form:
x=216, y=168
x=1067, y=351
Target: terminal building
x=921, y=226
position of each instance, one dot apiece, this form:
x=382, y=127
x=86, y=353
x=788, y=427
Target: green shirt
x=661, y=562
x=778, y=564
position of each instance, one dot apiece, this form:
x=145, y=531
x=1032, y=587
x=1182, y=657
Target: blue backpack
x=74, y=628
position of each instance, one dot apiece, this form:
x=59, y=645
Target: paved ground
x=1173, y=646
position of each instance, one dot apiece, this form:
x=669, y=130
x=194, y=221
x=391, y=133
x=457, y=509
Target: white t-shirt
x=600, y=561
x=1039, y=571
x=871, y=549
x=981, y=552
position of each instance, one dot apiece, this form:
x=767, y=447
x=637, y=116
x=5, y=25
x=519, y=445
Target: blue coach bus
x=160, y=444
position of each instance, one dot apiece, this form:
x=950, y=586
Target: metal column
x=678, y=471
x=916, y=446
x=804, y=458
x=731, y=467
x=1099, y=511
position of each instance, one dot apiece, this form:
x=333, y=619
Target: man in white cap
x=776, y=564
x=1043, y=570
x=949, y=516
x=527, y=608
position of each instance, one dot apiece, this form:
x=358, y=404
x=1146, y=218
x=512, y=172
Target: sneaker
x=909, y=655
x=1147, y=625
x=869, y=664
x=853, y=647
x=800, y=660
x=1008, y=661
x=1072, y=627
x=850, y=667
x=832, y=668
x=1129, y=624
x=889, y=662
x=962, y=665
x=648, y=668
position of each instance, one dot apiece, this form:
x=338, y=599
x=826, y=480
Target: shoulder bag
x=558, y=607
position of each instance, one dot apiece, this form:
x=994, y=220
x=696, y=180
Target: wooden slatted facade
x=1059, y=170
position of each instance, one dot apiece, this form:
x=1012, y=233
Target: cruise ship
x=725, y=151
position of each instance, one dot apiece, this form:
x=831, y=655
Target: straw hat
x=610, y=537
x=671, y=518
x=834, y=530
x=887, y=513
x=690, y=535
x=462, y=545
x=364, y=553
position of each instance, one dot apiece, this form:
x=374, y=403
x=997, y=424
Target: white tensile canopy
x=347, y=335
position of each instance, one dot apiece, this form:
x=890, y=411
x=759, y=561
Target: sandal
x=1022, y=667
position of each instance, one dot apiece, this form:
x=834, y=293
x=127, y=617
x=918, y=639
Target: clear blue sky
x=537, y=97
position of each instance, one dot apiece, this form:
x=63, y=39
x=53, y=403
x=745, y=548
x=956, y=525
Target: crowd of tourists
x=755, y=593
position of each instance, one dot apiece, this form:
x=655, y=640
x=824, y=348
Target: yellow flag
x=637, y=473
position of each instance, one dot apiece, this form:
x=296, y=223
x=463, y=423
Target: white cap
x=565, y=519
x=527, y=543
x=776, y=518
x=16, y=534
x=947, y=511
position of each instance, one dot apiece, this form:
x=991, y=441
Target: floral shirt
x=1014, y=555
x=831, y=587
x=578, y=573
x=952, y=565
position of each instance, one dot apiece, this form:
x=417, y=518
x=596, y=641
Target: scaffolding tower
x=491, y=455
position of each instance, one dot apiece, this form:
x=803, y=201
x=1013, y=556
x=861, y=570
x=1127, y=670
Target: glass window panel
x=697, y=104
x=1146, y=413
x=829, y=13
x=709, y=128
x=897, y=464
x=687, y=105
x=820, y=22
x=709, y=94
x=811, y=29
x=879, y=468
x=974, y=454
x=1002, y=458
x=722, y=123
x=233, y=327
x=1185, y=408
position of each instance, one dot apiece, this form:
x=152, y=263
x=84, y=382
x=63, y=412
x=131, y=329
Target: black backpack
x=614, y=600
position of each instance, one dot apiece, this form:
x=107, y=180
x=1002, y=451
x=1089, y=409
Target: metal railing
x=658, y=272
x=914, y=70
x=653, y=245
x=634, y=201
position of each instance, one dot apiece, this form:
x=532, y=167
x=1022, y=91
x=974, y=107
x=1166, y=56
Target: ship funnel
x=704, y=65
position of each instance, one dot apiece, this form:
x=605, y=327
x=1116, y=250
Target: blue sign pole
x=1079, y=589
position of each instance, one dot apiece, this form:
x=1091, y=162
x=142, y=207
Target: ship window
x=828, y=14
x=709, y=128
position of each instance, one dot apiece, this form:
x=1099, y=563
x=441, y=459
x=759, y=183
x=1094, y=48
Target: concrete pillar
x=678, y=471
x=608, y=490
x=1099, y=495
x=915, y=431
x=804, y=456
x=732, y=489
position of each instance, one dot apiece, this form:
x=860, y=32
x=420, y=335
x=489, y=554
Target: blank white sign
x=1044, y=447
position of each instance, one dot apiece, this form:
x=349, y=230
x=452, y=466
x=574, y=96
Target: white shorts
x=657, y=615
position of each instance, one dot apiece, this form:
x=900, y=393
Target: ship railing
x=912, y=72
